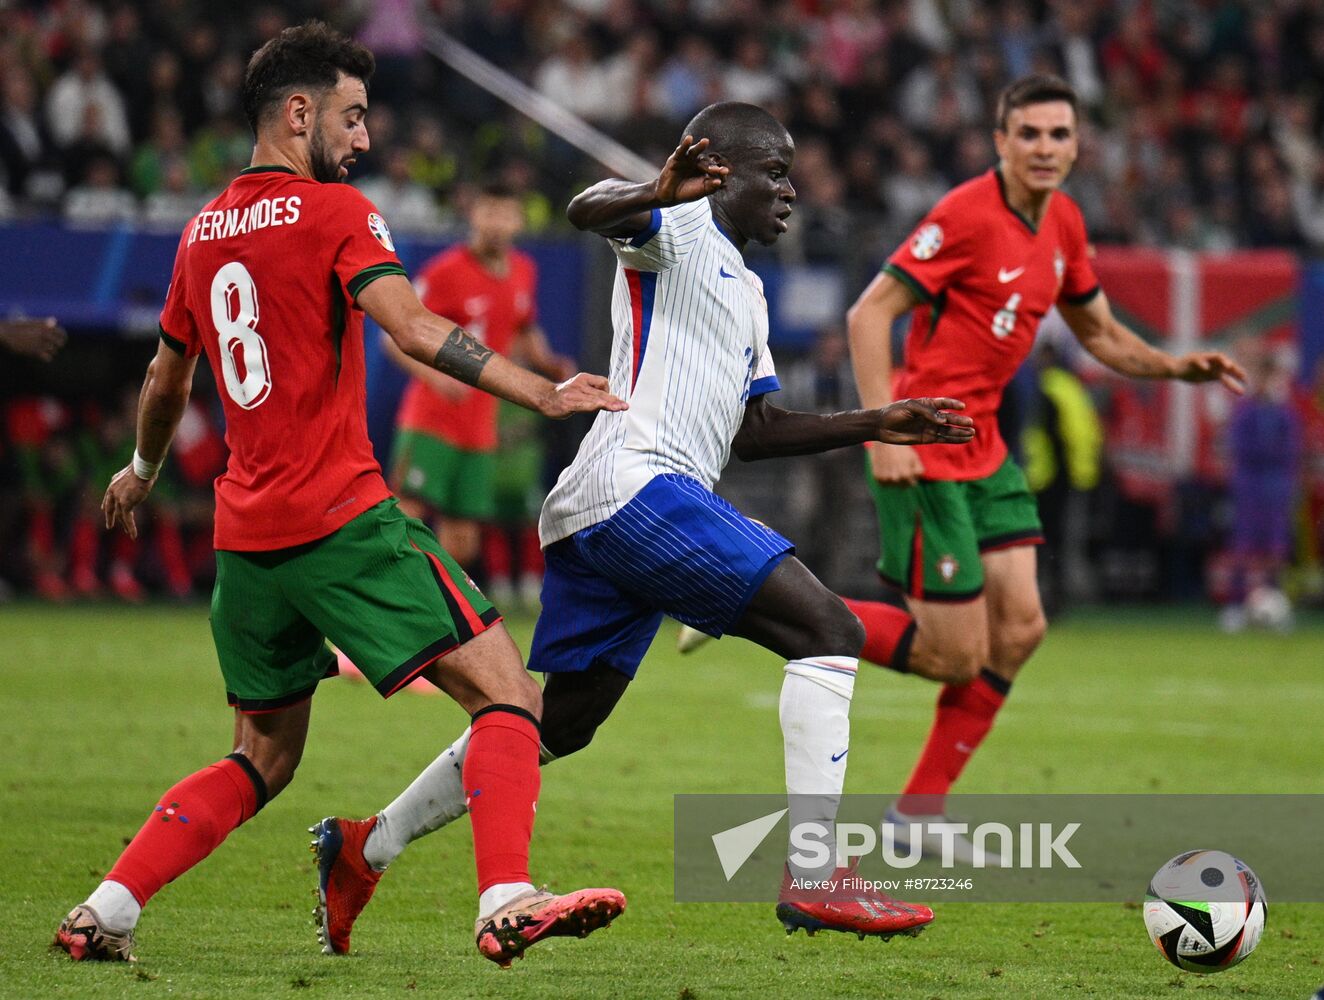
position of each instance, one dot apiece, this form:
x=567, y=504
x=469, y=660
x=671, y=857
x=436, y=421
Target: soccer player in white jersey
x=633, y=531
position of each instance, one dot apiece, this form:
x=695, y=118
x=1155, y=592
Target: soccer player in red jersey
x=271, y=281
x=444, y=460
x=958, y=525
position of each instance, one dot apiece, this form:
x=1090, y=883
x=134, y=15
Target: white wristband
x=144, y=469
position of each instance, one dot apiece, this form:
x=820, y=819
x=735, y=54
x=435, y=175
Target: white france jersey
x=689, y=349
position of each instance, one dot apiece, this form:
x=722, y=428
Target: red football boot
x=522, y=922
x=852, y=906
x=345, y=881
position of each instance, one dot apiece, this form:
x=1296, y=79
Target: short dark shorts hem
x=261, y=706
x=755, y=583
x=1011, y=540
x=402, y=675
x=963, y=597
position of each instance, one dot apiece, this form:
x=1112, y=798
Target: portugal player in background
x=272, y=280
x=443, y=464
x=958, y=525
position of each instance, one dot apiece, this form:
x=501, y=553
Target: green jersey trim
x=910, y=281
x=368, y=275
x=1002, y=187
x=268, y=168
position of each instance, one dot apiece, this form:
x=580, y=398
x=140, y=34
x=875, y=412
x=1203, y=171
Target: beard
x=325, y=165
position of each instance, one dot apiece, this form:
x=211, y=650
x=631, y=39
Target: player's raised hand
x=35, y=338
x=924, y=421
x=583, y=393
x=688, y=175
x=125, y=492
x=1211, y=366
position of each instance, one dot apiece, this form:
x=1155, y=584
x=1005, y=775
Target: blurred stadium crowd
x=1203, y=117
x=1202, y=129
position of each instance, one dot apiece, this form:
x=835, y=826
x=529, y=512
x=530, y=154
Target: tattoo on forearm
x=462, y=357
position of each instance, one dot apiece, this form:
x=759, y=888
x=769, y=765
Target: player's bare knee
x=276, y=766
x=1017, y=640
x=837, y=632
x=955, y=663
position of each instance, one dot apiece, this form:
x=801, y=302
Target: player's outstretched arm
x=161, y=404
x=620, y=208
x=443, y=384
x=768, y=431
x=439, y=343
x=1116, y=346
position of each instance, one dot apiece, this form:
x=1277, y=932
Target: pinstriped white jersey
x=689, y=349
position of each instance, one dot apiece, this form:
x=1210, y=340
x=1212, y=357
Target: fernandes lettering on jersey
x=228, y=223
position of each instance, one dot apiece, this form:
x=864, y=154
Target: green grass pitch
x=103, y=708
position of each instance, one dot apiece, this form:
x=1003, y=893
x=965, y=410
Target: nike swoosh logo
x=722, y=271
x=837, y=756
x=964, y=747
x=1005, y=276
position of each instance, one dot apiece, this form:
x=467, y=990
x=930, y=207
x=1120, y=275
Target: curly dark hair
x=310, y=55
x=1037, y=88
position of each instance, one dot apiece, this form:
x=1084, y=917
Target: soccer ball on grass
x=1205, y=911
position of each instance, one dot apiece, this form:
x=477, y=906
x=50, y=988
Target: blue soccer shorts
x=677, y=549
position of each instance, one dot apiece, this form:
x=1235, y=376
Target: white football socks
x=815, y=720
x=432, y=800
x=496, y=896
x=114, y=906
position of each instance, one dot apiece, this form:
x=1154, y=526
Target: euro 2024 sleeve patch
x=926, y=242
x=377, y=226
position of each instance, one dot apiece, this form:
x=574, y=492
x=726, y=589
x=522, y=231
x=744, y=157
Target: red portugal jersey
x=493, y=309
x=986, y=277
x=265, y=283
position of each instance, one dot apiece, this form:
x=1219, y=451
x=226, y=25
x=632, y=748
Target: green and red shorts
x=381, y=588
x=934, y=533
x=450, y=480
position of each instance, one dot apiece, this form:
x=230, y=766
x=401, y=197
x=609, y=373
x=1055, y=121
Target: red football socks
x=888, y=633
x=496, y=553
x=188, y=824
x=501, y=783
x=965, y=715
x=530, y=561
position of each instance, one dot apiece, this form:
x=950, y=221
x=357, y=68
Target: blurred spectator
x=913, y=187
x=942, y=77
x=82, y=89
x=24, y=144
x=573, y=80
x=99, y=200
x=631, y=75
x=391, y=29
x=175, y=200
x=407, y=205
x=432, y=161
x=689, y=79
x=1069, y=37
x=165, y=145
x=749, y=78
